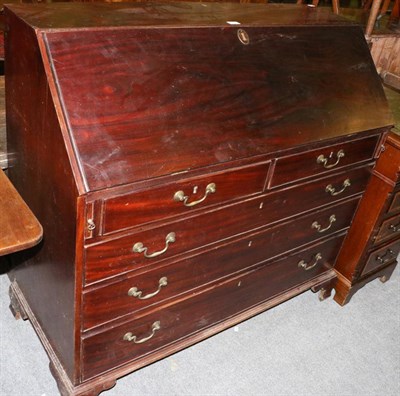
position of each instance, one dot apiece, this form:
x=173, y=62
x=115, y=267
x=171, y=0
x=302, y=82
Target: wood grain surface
x=166, y=13
x=112, y=109
x=211, y=306
x=300, y=166
x=133, y=116
x=42, y=174
x=130, y=210
x=19, y=228
x=115, y=256
x=111, y=301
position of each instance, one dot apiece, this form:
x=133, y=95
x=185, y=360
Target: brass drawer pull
x=135, y=292
x=389, y=255
x=318, y=226
x=324, y=161
x=139, y=248
x=332, y=190
x=180, y=196
x=394, y=228
x=303, y=264
x=132, y=338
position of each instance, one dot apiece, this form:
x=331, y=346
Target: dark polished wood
x=40, y=171
x=117, y=256
x=114, y=109
x=241, y=91
x=366, y=248
x=211, y=306
x=198, y=270
x=130, y=210
x=299, y=166
x=178, y=14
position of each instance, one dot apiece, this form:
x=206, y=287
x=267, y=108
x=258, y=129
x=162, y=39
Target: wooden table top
x=19, y=228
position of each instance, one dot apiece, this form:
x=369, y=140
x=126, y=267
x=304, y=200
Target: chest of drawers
x=191, y=164
x=373, y=243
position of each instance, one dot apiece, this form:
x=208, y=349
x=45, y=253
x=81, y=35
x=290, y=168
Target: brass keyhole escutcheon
x=243, y=36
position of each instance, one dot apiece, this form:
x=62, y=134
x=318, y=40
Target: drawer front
x=183, y=197
x=141, y=291
x=322, y=160
x=383, y=256
x=118, y=256
x=395, y=205
x=108, y=349
x=389, y=229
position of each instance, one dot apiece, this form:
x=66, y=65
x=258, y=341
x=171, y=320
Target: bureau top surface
x=141, y=103
x=177, y=14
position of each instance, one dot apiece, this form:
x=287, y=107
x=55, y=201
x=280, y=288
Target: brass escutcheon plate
x=243, y=36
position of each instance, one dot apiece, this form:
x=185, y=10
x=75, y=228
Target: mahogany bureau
x=191, y=164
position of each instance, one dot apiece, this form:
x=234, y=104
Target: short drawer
x=127, y=253
x=112, y=348
x=383, y=256
x=395, y=205
x=389, y=229
x=184, y=197
x=324, y=159
x=159, y=284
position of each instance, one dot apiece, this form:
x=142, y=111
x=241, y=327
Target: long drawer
x=183, y=197
x=128, y=253
x=112, y=348
x=157, y=285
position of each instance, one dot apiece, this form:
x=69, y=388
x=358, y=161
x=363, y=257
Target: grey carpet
x=301, y=347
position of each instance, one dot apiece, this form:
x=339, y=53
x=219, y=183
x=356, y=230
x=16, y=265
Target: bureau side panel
x=41, y=172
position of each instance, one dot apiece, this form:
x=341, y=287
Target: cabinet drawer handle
x=318, y=226
x=132, y=338
x=389, y=255
x=394, y=228
x=139, y=248
x=332, y=190
x=135, y=292
x=180, y=196
x=324, y=161
x=303, y=264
